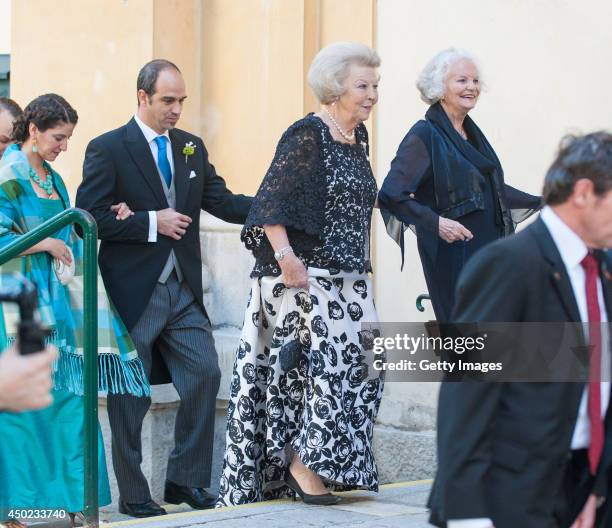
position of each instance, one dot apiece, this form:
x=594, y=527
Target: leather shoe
x=197, y=498
x=143, y=509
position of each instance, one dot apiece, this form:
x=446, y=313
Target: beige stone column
x=244, y=62
x=5, y=26
x=177, y=36
x=88, y=51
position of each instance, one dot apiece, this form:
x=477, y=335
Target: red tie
x=591, y=267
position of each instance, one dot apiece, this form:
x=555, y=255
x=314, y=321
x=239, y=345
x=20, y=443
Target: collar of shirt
x=148, y=132
x=570, y=246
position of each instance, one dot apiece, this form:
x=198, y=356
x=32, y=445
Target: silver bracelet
x=281, y=253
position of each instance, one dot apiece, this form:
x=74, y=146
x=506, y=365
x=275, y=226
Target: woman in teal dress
x=41, y=452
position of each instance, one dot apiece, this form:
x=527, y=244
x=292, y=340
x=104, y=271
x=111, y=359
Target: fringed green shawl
x=60, y=307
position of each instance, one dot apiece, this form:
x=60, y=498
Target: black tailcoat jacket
x=502, y=447
x=119, y=167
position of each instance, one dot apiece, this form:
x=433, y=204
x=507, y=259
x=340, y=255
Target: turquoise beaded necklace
x=47, y=185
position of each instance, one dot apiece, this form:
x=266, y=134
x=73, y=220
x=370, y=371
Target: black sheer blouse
x=323, y=192
x=437, y=173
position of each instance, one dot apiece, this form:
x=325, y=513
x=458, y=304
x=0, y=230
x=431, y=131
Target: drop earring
x=34, y=147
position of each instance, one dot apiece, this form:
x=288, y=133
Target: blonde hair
x=331, y=67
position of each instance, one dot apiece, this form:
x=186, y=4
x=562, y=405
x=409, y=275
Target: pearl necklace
x=46, y=185
x=349, y=137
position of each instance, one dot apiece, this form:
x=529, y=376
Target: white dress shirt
x=150, y=136
x=572, y=250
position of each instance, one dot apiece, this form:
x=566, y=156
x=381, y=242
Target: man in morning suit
x=152, y=269
x=536, y=455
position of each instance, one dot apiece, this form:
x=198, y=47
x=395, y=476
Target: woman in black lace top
x=303, y=399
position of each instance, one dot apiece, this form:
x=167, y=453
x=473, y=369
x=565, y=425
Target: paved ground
x=400, y=505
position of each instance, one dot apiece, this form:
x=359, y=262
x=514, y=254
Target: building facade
x=245, y=64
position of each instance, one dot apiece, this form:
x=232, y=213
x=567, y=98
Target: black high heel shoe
x=326, y=499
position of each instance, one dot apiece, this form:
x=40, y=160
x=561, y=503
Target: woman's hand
x=122, y=210
x=295, y=274
x=451, y=230
x=57, y=249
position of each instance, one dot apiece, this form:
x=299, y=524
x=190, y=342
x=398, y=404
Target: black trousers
x=575, y=490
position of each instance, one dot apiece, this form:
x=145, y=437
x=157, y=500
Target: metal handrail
x=419, y=301
x=90, y=345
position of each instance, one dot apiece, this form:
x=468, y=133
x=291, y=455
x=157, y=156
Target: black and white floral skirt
x=321, y=407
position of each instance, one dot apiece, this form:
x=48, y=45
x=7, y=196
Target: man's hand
x=172, y=224
x=587, y=516
x=25, y=381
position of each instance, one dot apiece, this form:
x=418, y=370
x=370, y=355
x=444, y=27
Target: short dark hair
x=148, y=74
x=10, y=106
x=46, y=111
x=588, y=156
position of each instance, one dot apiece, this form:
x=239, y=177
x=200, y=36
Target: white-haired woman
x=303, y=399
x=447, y=181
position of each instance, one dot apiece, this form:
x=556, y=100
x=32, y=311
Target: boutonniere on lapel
x=188, y=150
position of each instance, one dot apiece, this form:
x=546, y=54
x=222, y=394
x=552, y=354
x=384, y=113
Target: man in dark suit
x=152, y=269
x=535, y=455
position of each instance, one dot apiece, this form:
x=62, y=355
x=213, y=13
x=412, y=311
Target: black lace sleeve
x=293, y=191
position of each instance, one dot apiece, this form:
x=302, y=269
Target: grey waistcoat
x=172, y=262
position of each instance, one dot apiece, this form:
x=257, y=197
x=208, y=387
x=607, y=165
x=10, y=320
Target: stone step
x=396, y=505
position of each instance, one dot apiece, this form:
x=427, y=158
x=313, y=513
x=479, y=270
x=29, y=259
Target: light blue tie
x=162, y=159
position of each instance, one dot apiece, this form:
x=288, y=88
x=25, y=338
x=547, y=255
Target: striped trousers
x=175, y=322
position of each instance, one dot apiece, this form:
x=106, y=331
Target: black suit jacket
x=119, y=167
x=502, y=447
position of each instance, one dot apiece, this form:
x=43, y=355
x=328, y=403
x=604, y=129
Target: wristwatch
x=281, y=253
